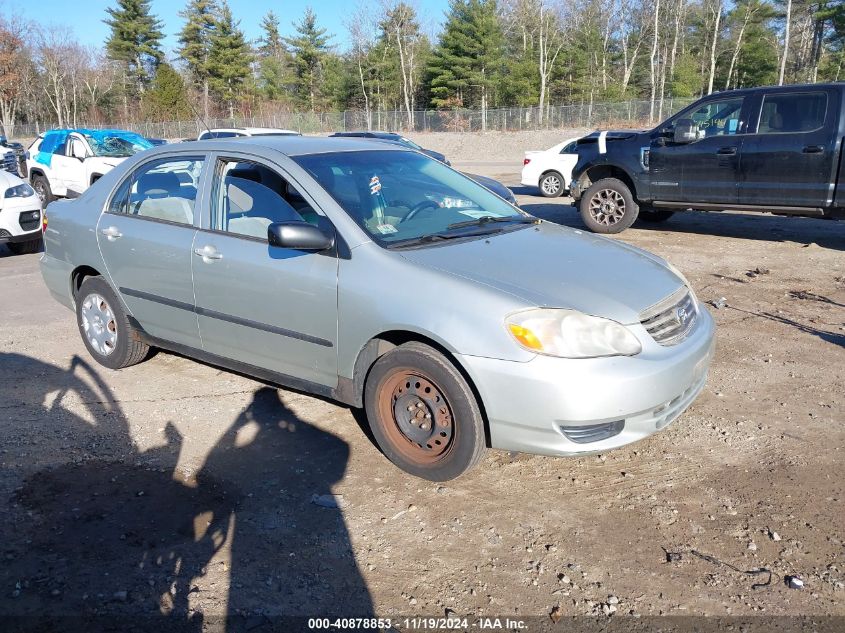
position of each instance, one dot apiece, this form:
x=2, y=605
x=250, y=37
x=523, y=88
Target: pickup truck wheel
x=25, y=248
x=423, y=414
x=608, y=206
x=105, y=328
x=650, y=214
x=42, y=188
x=551, y=185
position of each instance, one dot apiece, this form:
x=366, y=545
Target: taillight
x=44, y=221
x=525, y=161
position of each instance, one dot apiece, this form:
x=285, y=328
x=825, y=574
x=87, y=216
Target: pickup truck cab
x=770, y=149
x=64, y=163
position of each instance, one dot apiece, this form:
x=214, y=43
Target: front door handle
x=813, y=149
x=112, y=233
x=208, y=253
x=726, y=151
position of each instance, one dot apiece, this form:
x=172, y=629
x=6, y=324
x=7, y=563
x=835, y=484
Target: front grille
x=5, y=233
x=592, y=432
x=10, y=162
x=672, y=319
x=29, y=220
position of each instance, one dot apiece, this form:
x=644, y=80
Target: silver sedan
x=386, y=280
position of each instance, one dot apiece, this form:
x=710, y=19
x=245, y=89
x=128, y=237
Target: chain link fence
x=584, y=115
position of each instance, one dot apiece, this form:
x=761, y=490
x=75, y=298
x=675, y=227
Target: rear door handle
x=813, y=149
x=726, y=151
x=112, y=233
x=208, y=253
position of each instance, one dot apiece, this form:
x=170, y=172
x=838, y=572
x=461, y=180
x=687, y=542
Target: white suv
x=20, y=215
x=231, y=132
x=64, y=163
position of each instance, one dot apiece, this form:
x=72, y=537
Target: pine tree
x=467, y=65
x=195, y=43
x=309, y=47
x=273, y=59
x=135, y=40
x=229, y=58
x=167, y=98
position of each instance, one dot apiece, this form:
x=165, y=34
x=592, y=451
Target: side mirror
x=298, y=235
x=686, y=131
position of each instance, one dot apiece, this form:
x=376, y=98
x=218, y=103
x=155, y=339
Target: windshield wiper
x=435, y=237
x=486, y=219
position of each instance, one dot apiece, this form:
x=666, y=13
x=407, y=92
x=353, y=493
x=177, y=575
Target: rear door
x=146, y=238
x=257, y=304
x=790, y=159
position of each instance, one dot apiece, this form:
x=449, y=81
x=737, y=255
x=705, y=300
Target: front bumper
x=20, y=219
x=555, y=406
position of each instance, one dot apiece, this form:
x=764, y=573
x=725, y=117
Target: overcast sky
x=85, y=17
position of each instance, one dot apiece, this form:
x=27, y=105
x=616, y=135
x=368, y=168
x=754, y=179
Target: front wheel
x=105, y=328
x=608, y=206
x=423, y=414
x=551, y=185
x=25, y=248
x=42, y=188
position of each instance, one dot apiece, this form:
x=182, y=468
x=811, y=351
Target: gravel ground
x=177, y=488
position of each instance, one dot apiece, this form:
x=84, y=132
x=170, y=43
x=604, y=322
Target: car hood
x=493, y=185
x=557, y=267
x=8, y=179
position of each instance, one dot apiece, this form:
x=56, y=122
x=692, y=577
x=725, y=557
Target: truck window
x=792, y=112
x=717, y=118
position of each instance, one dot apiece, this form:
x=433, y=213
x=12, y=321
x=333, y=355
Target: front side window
x=802, y=112
x=164, y=189
x=401, y=197
x=248, y=197
x=719, y=117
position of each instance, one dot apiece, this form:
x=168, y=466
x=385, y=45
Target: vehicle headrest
x=158, y=183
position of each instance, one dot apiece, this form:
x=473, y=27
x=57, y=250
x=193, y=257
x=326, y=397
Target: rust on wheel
x=416, y=416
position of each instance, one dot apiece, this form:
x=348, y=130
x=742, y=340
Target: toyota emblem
x=682, y=316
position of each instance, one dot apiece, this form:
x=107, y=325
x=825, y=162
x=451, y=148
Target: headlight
x=21, y=191
x=571, y=334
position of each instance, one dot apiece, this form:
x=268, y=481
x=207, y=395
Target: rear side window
x=570, y=148
x=796, y=112
x=164, y=189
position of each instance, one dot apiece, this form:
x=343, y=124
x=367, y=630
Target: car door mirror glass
x=298, y=235
x=686, y=131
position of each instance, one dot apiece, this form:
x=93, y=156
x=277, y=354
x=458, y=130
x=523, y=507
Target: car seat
x=158, y=193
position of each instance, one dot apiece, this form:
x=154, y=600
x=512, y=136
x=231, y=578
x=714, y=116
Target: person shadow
x=99, y=534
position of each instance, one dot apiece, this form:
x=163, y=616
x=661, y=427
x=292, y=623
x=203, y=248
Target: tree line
x=487, y=54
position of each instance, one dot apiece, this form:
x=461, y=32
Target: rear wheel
x=423, y=414
x=551, y=184
x=42, y=188
x=105, y=328
x=650, y=214
x=608, y=206
x=25, y=248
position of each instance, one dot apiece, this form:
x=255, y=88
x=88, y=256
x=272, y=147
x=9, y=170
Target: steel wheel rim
x=551, y=184
x=607, y=206
x=99, y=324
x=416, y=415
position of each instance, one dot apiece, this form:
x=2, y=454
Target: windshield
x=116, y=144
x=401, y=197
x=409, y=143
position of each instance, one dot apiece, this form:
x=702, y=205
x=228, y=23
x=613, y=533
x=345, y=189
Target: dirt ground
x=176, y=488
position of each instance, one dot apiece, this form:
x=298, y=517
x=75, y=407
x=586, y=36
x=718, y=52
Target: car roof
x=288, y=145
x=771, y=89
x=251, y=130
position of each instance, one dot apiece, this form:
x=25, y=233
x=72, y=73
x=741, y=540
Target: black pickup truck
x=772, y=149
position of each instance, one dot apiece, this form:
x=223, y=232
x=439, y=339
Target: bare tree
x=362, y=38
x=655, y=40
x=12, y=58
x=550, y=42
x=786, y=28
x=632, y=31
x=716, y=9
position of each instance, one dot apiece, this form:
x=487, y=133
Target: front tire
x=25, y=248
x=42, y=188
x=105, y=328
x=608, y=206
x=551, y=185
x=423, y=414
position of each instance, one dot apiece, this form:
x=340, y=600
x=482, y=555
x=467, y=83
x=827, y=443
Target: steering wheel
x=418, y=208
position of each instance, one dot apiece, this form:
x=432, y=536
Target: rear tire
x=25, y=248
x=551, y=185
x=423, y=414
x=105, y=328
x=652, y=215
x=42, y=188
x=608, y=206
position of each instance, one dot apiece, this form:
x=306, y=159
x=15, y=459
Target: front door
x=706, y=168
x=74, y=173
x=791, y=160
x=146, y=237
x=264, y=306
